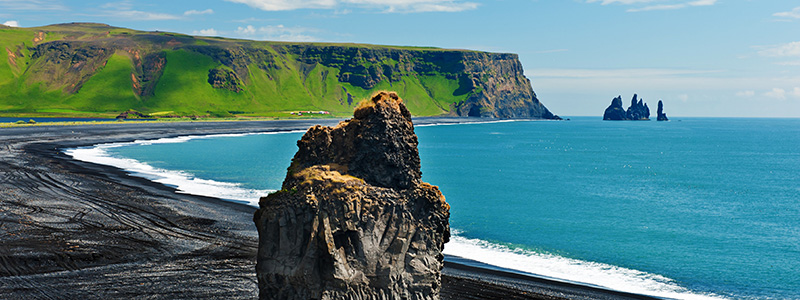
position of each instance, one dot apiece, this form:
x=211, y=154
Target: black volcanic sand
x=70, y=229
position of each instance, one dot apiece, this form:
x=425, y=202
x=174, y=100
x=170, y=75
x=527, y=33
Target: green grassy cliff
x=85, y=69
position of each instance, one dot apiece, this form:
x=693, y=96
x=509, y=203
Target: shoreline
x=89, y=243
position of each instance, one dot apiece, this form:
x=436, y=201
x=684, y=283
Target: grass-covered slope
x=84, y=69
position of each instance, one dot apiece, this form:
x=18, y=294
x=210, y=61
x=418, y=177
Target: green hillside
x=85, y=69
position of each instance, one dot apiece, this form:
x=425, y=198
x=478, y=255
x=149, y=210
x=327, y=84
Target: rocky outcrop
x=638, y=111
x=661, y=116
x=353, y=219
x=224, y=79
x=615, y=110
x=132, y=114
x=66, y=64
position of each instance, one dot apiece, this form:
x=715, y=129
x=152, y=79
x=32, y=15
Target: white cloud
x=657, y=7
x=745, y=94
x=551, y=51
x=11, y=23
x=434, y=7
x=702, y=3
x=277, y=33
x=616, y=73
x=691, y=82
x=606, y=2
x=32, y=5
x=781, y=94
x=198, y=12
x=273, y=5
x=776, y=93
x=794, y=13
x=122, y=5
x=795, y=92
x=206, y=32
x=125, y=10
x=404, y=6
x=142, y=15
x=789, y=63
x=669, y=5
x=784, y=50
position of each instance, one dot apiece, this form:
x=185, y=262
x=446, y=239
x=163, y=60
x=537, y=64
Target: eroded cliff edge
x=99, y=68
x=353, y=219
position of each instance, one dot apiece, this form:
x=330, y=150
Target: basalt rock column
x=354, y=219
x=661, y=116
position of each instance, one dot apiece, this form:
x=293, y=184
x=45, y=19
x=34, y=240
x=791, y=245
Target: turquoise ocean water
x=692, y=209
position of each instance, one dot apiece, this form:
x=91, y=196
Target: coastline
x=78, y=229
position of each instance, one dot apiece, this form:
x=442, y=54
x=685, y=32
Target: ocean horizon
x=695, y=208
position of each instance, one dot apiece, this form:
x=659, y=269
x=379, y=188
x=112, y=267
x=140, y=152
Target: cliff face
x=156, y=71
x=637, y=111
x=494, y=83
x=353, y=219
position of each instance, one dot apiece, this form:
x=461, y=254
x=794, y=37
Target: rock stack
x=615, y=110
x=661, y=116
x=353, y=219
x=636, y=112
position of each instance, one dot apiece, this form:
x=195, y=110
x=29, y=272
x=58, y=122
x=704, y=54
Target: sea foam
x=570, y=270
x=183, y=182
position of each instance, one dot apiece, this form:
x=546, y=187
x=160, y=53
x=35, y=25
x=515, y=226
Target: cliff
x=661, y=116
x=99, y=69
x=637, y=111
x=354, y=219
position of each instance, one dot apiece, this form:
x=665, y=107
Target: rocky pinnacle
x=354, y=219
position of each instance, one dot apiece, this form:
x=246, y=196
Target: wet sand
x=72, y=229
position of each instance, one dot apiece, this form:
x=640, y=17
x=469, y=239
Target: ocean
x=697, y=208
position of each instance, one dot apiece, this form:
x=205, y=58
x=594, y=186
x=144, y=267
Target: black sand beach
x=72, y=229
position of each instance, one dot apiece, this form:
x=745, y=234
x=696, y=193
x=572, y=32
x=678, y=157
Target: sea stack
x=638, y=111
x=353, y=219
x=661, y=116
x=615, y=110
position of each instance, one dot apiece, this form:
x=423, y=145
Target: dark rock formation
x=132, y=114
x=224, y=79
x=615, y=110
x=637, y=111
x=67, y=64
x=353, y=219
x=661, y=116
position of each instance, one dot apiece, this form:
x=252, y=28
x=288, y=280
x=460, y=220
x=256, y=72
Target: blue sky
x=725, y=58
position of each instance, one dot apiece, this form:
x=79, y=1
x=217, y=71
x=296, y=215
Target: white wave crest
x=570, y=270
x=183, y=182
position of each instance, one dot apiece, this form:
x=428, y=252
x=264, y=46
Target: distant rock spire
x=637, y=111
x=661, y=116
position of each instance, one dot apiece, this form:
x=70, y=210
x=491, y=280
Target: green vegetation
x=100, y=71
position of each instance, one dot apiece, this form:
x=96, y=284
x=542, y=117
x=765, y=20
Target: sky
x=704, y=58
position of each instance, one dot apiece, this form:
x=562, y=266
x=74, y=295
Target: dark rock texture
x=661, y=116
x=224, y=79
x=353, y=219
x=615, y=110
x=638, y=111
